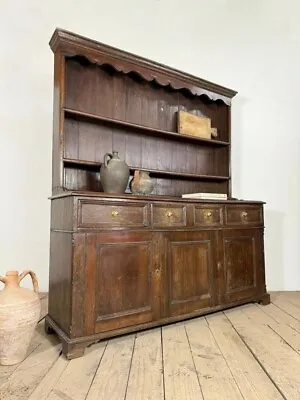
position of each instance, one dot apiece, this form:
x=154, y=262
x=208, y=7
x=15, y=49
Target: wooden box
x=194, y=125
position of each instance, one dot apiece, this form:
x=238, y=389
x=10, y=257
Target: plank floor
x=250, y=352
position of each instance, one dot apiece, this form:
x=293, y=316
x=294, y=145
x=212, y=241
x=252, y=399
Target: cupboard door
x=116, y=283
x=189, y=275
x=125, y=281
x=241, y=264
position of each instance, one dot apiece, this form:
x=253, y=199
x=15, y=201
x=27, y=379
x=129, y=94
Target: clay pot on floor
x=20, y=310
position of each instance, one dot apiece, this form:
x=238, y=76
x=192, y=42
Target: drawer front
x=172, y=215
x=208, y=215
x=239, y=214
x=96, y=214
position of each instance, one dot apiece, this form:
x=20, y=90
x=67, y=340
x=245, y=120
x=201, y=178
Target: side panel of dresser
x=60, y=262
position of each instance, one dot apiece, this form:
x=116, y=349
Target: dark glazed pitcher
x=114, y=173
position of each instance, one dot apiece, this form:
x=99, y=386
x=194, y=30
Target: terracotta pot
x=20, y=310
x=114, y=173
x=141, y=183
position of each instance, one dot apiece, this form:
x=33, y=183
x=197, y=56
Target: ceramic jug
x=141, y=183
x=114, y=173
x=20, y=310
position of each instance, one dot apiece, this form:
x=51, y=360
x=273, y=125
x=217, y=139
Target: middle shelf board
x=80, y=115
x=180, y=175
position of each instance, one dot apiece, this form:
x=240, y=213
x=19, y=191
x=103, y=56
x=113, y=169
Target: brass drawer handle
x=169, y=214
x=208, y=214
x=114, y=213
x=244, y=214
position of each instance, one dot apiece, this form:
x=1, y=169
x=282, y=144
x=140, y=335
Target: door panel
x=125, y=270
x=125, y=281
x=190, y=271
x=240, y=264
x=119, y=283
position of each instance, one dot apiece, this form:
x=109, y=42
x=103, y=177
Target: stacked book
x=205, y=196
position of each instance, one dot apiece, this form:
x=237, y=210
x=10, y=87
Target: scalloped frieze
x=70, y=44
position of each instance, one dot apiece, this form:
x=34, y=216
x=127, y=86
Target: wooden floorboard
x=250, y=352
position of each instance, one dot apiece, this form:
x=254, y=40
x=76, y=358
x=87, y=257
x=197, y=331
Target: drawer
x=208, y=215
x=101, y=214
x=171, y=215
x=239, y=214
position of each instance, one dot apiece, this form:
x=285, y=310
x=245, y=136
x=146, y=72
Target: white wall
x=251, y=46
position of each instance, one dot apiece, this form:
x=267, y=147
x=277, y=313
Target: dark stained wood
x=58, y=122
x=208, y=215
x=124, y=285
x=123, y=263
x=139, y=119
x=75, y=45
x=62, y=214
x=61, y=275
x=174, y=264
x=243, y=214
x=171, y=215
x=81, y=273
x=73, y=348
x=261, y=272
x=154, y=172
x=106, y=215
x=79, y=178
x=89, y=308
x=241, y=266
x=139, y=128
x=265, y=300
x=190, y=270
x=128, y=196
x=78, y=118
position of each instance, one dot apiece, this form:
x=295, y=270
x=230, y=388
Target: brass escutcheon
x=114, y=213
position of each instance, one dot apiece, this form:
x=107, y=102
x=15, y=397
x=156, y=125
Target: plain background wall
x=250, y=46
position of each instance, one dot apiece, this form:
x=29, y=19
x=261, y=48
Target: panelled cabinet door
x=120, y=282
x=125, y=281
x=189, y=271
x=241, y=264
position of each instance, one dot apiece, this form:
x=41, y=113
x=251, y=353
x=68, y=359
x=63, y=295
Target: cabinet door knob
x=208, y=214
x=244, y=214
x=114, y=213
x=169, y=214
x=157, y=270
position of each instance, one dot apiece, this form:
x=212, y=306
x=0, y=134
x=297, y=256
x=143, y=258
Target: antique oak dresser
x=123, y=263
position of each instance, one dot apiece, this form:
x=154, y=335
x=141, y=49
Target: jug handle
x=107, y=155
x=33, y=278
x=3, y=279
